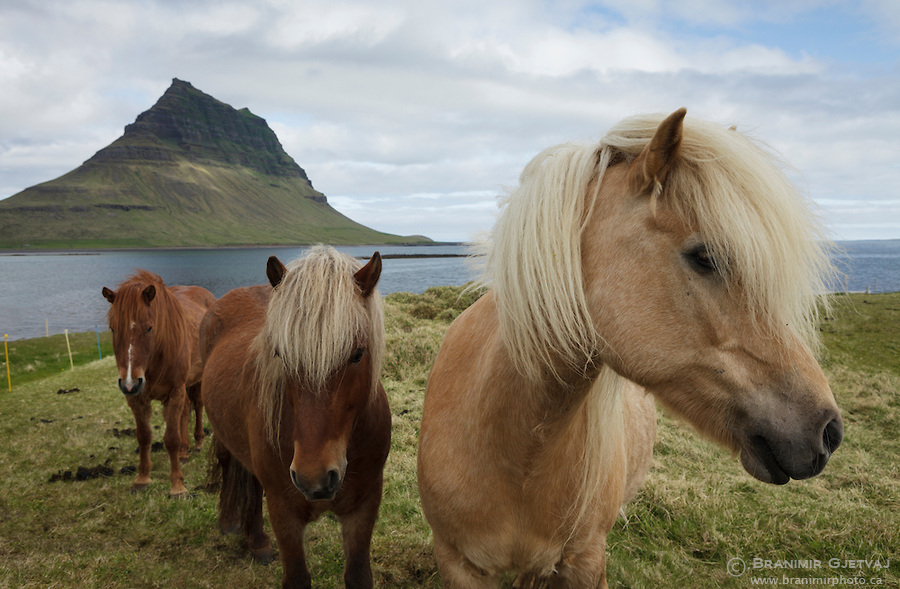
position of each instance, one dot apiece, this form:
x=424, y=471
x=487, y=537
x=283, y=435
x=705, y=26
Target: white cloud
x=427, y=109
x=438, y=215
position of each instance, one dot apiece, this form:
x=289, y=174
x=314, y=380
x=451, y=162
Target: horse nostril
x=333, y=480
x=833, y=435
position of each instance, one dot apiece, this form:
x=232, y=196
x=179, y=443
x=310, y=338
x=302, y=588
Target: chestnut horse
x=674, y=254
x=155, y=338
x=295, y=401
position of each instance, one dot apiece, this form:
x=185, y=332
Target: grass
x=37, y=358
x=697, y=511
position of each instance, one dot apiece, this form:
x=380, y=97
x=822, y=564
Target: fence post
x=99, y=350
x=6, y=351
x=71, y=363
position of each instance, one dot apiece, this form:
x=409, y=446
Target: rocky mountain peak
x=191, y=123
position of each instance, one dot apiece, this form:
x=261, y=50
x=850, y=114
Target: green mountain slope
x=191, y=171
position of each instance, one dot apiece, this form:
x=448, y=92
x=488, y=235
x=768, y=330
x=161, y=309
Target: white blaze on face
x=128, y=381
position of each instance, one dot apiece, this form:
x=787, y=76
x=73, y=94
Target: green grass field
x=698, y=511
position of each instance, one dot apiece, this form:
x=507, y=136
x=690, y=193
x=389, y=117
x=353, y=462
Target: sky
x=412, y=117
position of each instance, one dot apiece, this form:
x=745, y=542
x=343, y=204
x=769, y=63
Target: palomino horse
x=674, y=254
x=292, y=386
x=155, y=338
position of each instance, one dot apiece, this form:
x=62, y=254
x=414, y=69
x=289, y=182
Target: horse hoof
x=228, y=528
x=263, y=555
x=179, y=492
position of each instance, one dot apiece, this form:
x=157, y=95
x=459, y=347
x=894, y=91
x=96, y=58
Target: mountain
x=190, y=172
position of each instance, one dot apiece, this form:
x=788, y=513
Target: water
x=64, y=289
x=870, y=265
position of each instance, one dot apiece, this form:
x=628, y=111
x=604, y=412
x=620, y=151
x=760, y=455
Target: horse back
x=241, y=308
x=194, y=301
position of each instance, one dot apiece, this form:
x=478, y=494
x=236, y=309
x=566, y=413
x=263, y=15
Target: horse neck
x=516, y=400
x=540, y=416
x=579, y=448
x=171, y=330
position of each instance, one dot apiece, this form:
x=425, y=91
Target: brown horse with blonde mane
x=295, y=400
x=155, y=338
x=674, y=254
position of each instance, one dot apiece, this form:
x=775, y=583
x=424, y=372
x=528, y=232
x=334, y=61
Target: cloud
x=411, y=116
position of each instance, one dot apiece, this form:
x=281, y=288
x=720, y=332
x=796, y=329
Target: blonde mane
x=315, y=320
x=755, y=221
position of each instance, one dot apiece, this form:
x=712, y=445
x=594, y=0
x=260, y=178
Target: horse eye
x=357, y=356
x=149, y=328
x=276, y=354
x=701, y=260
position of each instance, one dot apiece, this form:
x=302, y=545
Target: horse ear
x=275, y=270
x=149, y=293
x=367, y=276
x=650, y=168
x=109, y=295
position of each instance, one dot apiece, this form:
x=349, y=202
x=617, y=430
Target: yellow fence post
x=6, y=350
x=71, y=363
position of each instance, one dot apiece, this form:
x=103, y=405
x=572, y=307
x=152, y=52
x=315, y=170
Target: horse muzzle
x=131, y=388
x=323, y=489
x=772, y=459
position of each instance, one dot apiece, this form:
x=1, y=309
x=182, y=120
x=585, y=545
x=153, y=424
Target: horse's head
x=320, y=351
x=702, y=270
x=131, y=319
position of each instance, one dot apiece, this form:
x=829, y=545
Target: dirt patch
x=84, y=473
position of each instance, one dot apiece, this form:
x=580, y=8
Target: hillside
x=190, y=172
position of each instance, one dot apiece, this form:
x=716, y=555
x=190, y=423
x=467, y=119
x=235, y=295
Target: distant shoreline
x=99, y=251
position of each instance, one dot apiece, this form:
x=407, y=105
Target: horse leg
x=584, y=569
x=173, y=413
x=289, y=517
x=141, y=409
x=229, y=508
x=197, y=402
x=240, y=505
x=356, y=531
x=457, y=571
x=257, y=540
x=184, y=420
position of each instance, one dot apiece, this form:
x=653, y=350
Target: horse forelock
x=315, y=320
x=759, y=227
x=169, y=327
x=732, y=189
